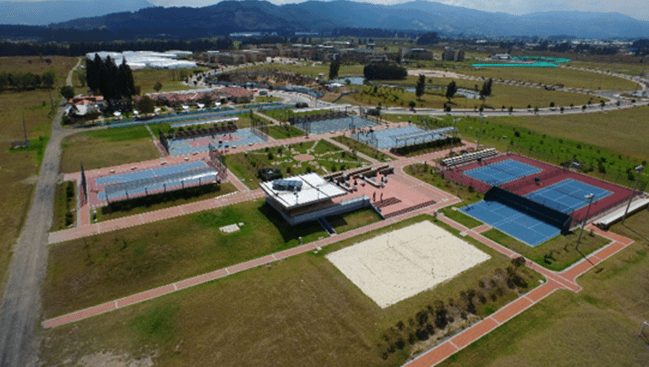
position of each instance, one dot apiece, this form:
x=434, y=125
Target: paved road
x=21, y=302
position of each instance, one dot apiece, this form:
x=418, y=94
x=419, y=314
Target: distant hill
x=238, y=16
x=56, y=11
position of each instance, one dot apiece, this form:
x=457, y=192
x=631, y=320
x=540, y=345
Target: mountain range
x=319, y=16
x=46, y=12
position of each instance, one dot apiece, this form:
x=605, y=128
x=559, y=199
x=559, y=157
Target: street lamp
x=480, y=132
x=588, y=197
x=638, y=169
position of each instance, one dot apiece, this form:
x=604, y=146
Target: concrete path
x=21, y=301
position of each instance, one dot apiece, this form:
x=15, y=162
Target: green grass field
x=326, y=158
x=331, y=322
x=105, y=148
x=426, y=174
x=596, y=327
x=557, y=253
x=309, y=69
x=553, y=76
x=19, y=169
x=92, y=270
x=460, y=217
x=502, y=95
x=347, y=222
x=146, y=79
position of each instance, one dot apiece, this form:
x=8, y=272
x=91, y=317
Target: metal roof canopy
x=314, y=190
x=120, y=189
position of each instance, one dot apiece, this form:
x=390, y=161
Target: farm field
x=330, y=318
x=19, y=169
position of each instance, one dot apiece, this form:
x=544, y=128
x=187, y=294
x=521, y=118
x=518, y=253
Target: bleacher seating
x=467, y=157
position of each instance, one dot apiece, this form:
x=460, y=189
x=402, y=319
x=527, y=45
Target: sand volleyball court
x=397, y=265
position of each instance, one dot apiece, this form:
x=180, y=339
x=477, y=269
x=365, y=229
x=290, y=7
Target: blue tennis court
x=511, y=221
x=568, y=195
x=501, y=172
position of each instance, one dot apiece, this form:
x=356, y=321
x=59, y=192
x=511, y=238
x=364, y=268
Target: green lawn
x=427, y=174
x=105, y=148
x=460, y=217
x=347, y=222
x=331, y=322
x=96, y=269
x=502, y=95
x=164, y=200
x=552, y=76
x=557, y=253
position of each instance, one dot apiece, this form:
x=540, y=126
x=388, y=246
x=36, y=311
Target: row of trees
x=384, y=70
x=24, y=81
x=111, y=81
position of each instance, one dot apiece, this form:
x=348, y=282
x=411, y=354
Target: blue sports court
x=565, y=196
x=502, y=172
x=519, y=225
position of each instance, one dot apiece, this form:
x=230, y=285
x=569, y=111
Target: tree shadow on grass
x=308, y=231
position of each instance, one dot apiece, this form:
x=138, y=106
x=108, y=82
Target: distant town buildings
x=452, y=55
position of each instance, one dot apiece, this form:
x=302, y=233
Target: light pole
x=588, y=197
x=459, y=185
x=638, y=169
x=480, y=132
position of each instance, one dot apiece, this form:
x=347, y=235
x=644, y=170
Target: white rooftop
x=314, y=189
